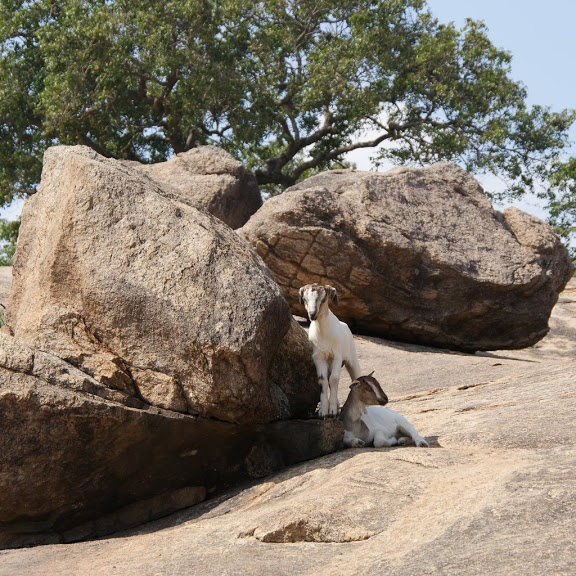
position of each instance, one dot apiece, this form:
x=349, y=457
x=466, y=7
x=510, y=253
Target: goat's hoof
x=357, y=443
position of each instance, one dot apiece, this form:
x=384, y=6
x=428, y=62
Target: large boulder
x=154, y=297
x=209, y=177
x=417, y=255
x=5, y=281
x=148, y=359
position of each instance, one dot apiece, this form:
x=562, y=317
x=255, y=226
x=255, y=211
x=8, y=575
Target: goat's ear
x=301, y=293
x=333, y=294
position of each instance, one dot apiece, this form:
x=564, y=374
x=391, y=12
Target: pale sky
x=542, y=39
x=539, y=34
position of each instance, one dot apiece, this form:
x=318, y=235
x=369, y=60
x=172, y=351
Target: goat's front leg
x=350, y=441
x=322, y=372
x=335, y=369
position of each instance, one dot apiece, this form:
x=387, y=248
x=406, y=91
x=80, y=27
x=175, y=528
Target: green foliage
x=8, y=238
x=287, y=86
x=562, y=202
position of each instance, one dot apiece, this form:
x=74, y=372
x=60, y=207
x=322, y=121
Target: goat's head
x=368, y=390
x=314, y=297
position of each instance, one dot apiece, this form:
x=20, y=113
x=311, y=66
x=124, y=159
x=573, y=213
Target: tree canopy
x=562, y=201
x=287, y=86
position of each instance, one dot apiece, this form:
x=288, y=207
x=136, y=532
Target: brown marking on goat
x=368, y=390
x=323, y=293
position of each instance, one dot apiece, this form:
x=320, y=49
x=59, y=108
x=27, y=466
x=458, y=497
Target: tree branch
x=335, y=154
x=95, y=146
x=272, y=174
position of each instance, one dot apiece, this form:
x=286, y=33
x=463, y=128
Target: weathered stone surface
x=209, y=177
x=493, y=495
x=80, y=460
x=133, y=317
x=153, y=297
x=417, y=255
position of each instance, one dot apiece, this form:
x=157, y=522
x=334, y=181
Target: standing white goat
x=332, y=342
x=366, y=420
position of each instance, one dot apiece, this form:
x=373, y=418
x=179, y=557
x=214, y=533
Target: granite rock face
x=81, y=460
x=149, y=359
x=211, y=178
x=153, y=297
x=494, y=493
x=416, y=254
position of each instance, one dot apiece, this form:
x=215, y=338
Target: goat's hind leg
x=381, y=440
x=353, y=365
x=406, y=428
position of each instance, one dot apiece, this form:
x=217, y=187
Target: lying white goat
x=332, y=342
x=366, y=421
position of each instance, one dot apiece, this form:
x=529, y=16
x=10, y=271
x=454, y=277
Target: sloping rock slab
x=417, y=255
x=79, y=460
x=154, y=297
x=211, y=178
x=492, y=495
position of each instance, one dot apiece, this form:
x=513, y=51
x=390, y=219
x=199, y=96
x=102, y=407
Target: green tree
x=287, y=86
x=8, y=237
x=562, y=201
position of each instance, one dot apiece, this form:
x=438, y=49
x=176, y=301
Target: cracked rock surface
x=417, y=255
x=81, y=460
x=494, y=494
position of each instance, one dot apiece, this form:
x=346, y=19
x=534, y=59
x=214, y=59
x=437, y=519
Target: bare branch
x=336, y=153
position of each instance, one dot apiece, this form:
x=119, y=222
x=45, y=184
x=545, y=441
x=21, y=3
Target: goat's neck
x=324, y=319
x=352, y=411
